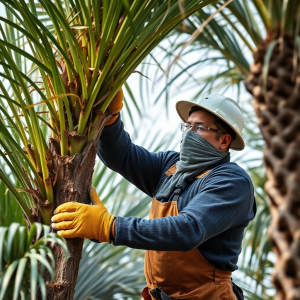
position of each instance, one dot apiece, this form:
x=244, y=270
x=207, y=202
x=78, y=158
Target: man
x=201, y=202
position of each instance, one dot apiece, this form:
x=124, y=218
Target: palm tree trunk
x=74, y=179
x=277, y=104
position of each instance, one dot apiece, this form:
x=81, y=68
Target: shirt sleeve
x=224, y=202
x=139, y=166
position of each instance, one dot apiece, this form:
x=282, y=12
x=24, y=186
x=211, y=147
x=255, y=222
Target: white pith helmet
x=224, y=108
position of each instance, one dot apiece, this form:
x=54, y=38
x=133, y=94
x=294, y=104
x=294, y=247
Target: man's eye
x=200, y=128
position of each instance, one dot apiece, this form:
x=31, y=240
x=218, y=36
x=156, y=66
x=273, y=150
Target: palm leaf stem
x=17, y=172
x=145, y=48
x=20, y=201
x=88, y=22
x=256, y=37
x=34, y=129
x=107, y=32
x=17, y=149
x=18, y=96
x=63, y=44
x=76, y=51
x=20, y=126
x=264, y=14
x=36, y=88
x=235, y=28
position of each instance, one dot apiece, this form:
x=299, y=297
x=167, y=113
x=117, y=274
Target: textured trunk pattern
x=277, y=104
x=73, y=181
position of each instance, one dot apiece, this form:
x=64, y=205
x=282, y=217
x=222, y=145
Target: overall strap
x=202, y=174
x=171, y=171
x=168, y=173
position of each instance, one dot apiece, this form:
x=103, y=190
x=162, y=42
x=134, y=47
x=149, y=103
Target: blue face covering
x=196, y=154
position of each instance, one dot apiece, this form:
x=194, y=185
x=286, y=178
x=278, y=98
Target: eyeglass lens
x=197, y=127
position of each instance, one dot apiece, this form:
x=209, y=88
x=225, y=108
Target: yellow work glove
x=73, y=219
x=115, y=106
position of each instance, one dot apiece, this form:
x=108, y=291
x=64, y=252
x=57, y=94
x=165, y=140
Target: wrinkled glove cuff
x=104, y=227
x=111, y=238
x=113, y=119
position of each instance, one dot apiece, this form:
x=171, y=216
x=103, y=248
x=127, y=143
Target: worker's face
x=203, y=117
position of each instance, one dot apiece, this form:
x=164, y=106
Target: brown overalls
x=183, y=275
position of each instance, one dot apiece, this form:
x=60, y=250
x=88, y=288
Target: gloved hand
x=73, y=219
x=115, y=106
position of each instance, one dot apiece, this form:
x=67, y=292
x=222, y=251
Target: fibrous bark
x=277, y=104
x=73, y=181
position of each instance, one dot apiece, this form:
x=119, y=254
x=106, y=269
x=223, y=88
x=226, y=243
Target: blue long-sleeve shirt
x=213, y=210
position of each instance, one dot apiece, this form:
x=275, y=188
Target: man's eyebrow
x=198, y=123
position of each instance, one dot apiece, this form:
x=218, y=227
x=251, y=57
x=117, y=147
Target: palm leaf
x=19, y=258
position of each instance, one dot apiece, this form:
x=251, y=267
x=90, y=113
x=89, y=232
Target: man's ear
x=224, y=142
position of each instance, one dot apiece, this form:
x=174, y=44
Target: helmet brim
x=183, y=108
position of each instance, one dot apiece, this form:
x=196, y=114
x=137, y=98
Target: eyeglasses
x=198, y=128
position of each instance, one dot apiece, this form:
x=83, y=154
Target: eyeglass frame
x=205, y=126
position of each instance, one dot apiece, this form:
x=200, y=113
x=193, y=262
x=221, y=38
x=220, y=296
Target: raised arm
x=212, y=211
x=141, y=167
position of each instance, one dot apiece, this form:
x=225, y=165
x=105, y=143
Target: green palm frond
x=61, y=64
x=10, y=211
x=25, y=256
x=229, y=41
x=106, y=271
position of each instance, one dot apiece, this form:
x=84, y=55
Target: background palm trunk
x=277, y=104
x=74, y=179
